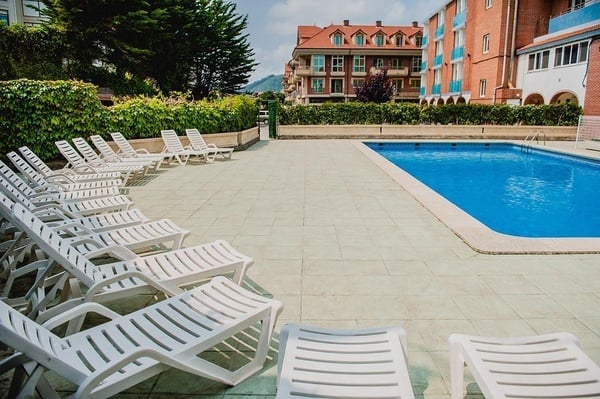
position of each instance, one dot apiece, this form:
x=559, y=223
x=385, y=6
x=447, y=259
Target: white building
x=21, y=12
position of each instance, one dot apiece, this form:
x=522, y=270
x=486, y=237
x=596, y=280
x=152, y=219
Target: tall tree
x=377, y=88
x=223, y=58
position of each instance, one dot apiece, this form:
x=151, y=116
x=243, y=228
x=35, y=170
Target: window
x=337, y=86
x=486, y=43
x=482, y=87
x=338, y=39
x=399, y=40
x=359, y=40
x=398, y=85
x=571, y=54
x=416, y=64
x=318, y=63
x=317, y=85
x=577, y=4
x=337, y=63
x=419, y=41
x=488, y=3
x=538, y=61
x=359, y=63
x=461, y=5
x=379, y=40
x=457, y=71
x=357, y=83
x=30, y=8
x=4, y=17
x=396, y=63
x=378, y=63
x=415, y=83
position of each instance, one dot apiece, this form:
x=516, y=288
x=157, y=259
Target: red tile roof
x=313, y=37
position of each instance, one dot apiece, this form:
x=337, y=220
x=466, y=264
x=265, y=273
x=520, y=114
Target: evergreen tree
x=377, y=88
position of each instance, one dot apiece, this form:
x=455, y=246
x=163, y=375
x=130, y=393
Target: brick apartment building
x=328, y=63
x=511, y=51
x=21, y=12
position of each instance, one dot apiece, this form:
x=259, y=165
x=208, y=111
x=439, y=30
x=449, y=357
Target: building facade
x=509, y=51
x=26, y=12
x=329, y=63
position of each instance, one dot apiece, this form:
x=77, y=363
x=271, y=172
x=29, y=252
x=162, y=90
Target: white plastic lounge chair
x=127, y=150
x=182, y=154
x=126, y=350
x=109, y=155
x=543, y=366
x=38, y=181
x=197, y=143
x=79, y=164
x=317, y=362
x=84, y=207
x=164, y=272
x=91, y=157
x=67, y=175
x=43, y=194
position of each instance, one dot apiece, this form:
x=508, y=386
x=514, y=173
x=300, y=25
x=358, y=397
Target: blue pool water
x=530, y=193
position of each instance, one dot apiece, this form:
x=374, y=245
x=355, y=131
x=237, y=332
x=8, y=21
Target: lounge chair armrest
x=45, y=210
x=95, y=289
x=70, y=228
x=59, y=178
x=142, y=151
x=117, y=251
x=77, y=311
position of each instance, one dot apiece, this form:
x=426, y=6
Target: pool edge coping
x=472, y=232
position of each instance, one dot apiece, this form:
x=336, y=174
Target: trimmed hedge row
x=38, y=113
x=408, y=113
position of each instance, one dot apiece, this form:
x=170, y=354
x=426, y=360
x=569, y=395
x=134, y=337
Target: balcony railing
x=424, y=42
x=439, y=32
x=455, y=86
x=421, y=91
x=437, y=61
x=423, y=66
x=570, y=18
x=459, y=20
x=436, y=89
x=458, y=53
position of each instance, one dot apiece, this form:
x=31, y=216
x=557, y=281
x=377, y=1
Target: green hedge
x=408, y=113
x=38, y=113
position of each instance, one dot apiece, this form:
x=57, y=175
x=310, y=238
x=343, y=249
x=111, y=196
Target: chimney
x=346, y=22
x=378, y=24
x=415, y=24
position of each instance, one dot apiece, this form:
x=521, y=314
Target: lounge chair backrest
x=124, y=146
x=14, y=193
x=87, y=151
x=35, y=161
x=15, y=180
x=39, y=344
x=56, y=247
x=70, y=154
x=35, y=177
x=196, y=140
x=105, y=150
x=172, y=142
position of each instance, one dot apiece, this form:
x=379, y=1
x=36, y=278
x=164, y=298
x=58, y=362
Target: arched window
x=338, y=39
x=359, y=40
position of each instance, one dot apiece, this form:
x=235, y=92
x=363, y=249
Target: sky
x=273, y=24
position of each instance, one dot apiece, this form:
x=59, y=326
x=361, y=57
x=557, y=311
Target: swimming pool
x=532, y=193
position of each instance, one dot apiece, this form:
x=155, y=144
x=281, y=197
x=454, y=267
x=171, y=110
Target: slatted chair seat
x=543, y=366
x=126, y=350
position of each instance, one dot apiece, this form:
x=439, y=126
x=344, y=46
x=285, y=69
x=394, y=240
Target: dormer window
x=418, y=40
x=359, y=40
x=338, y=39
x=399, y=40
x=379, y=40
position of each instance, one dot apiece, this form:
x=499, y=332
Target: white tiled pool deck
x=342, y=244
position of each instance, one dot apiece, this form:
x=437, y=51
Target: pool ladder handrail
x=533, y=135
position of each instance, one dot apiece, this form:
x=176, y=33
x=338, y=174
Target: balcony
x=459, y=20
x=424, y=42
x=421, y=92
x=396, y=72
x=570, y=18
x=307, y=70
x=439, y=32
x=437, y=61
x=455, y=86
x=436, y=89
x=423, y=66
x=457, y=54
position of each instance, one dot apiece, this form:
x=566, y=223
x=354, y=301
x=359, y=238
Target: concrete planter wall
x=424, y=132
x=238, y=140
